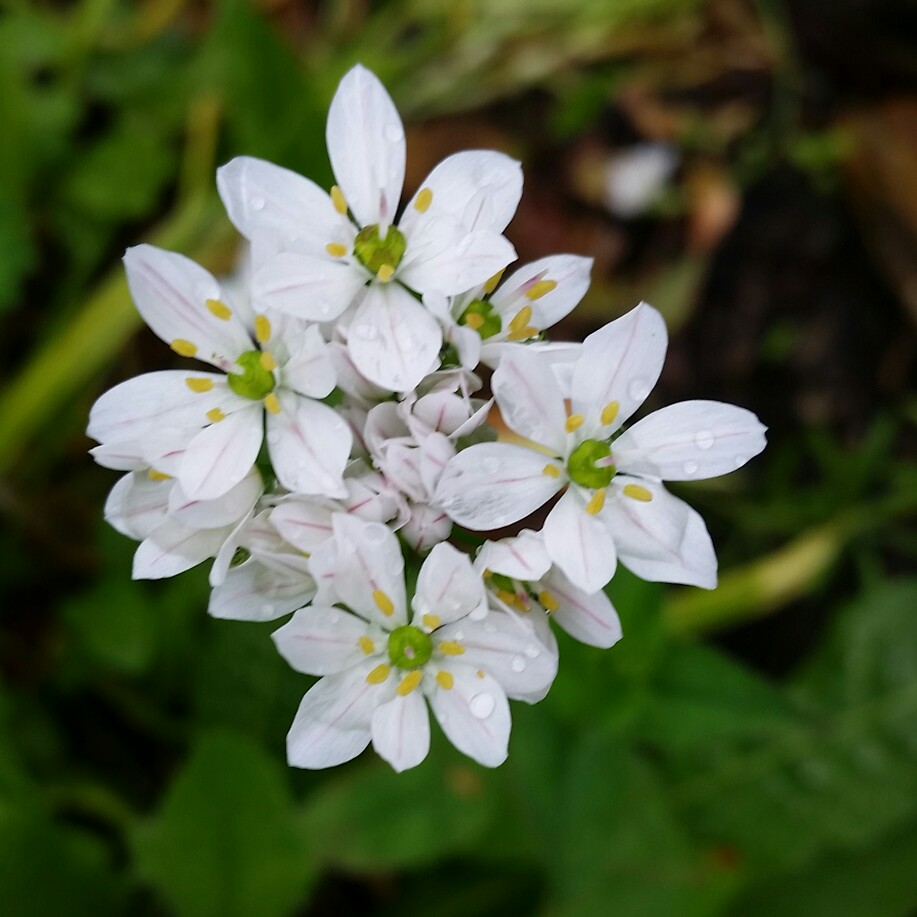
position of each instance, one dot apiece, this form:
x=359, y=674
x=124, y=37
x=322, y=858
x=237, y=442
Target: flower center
x=480, y=316
x=409, y=647
x=582, y=467
x=254, y=381
x=380, y=256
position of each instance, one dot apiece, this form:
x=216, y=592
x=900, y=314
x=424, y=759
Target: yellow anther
x=338, y=199
x=479, y=673
x=366, y=645
x=445, y=680
x=596, y=503
x=423, y=200
x=336, y=250
x=184, y=348
x=474, y=321
x=548, y=602
x=609, y=412
x=219, y=309
x=383, y=603
x=542, y=288
x=510, y=598
x=488, y=573
x=385, y=273
x=637, y=492
x=451, y=648
x=272, y=403
x=378, y=674
x=267, y=361
x=215, y=415
x=491, y=284
x=574, y=422
x=431, y=621
x=155, y=475
x=262, y=329
x=199, y=385
x=521, y=320
x=409, y=682
x=552, y=471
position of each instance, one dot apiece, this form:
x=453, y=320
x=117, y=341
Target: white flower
x=217, y=421
x=330, y=248
x=380, y=671
x=614, y=504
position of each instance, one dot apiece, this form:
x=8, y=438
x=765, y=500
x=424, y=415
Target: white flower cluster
x=326, y=461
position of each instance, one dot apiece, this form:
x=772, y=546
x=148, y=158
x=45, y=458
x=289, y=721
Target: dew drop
x=532, y=651
x=394, y=133
x=691, y=467
x=397, y=381
x=481, y=706
x=517, y=664
x=739, y=460
x=704, y=439
x=273, y=437
x=490, y=628
x=257, y=203
x=638, y=389
x=376, y=533
x=491, y=465
x=459, y=635
x=267, y=608
x=479, y=613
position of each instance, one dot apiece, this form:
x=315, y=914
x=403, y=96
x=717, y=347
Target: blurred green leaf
x=225, y=841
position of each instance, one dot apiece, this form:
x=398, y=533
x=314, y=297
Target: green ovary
x=254, y=381
x=409, y=647
x=481, y=316
x=581, y=464
x=374, y=252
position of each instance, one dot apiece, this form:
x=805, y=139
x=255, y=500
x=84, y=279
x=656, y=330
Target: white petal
x=225, y=510
x=393, y=340
x=137, y=505
x=447, y=586
x=579, y=544
x=309, y=445
x=369, y=562
x=173, y=548
x=171, y=293
x=366, y=147
x=522, y=557
x=480, y=189
x=126, y=455
x=505, y=646
x=309, y=369
x=401, y=731
x=693, y=439
x=474, y=714
x=306, y=524
x=591, y=619
x=490, y=485
x=530, y=400
x=332, y=724
x=569, y=272
x=436, y=451
x=261, y=196
x=255, y=592
x=426, y=527
x=313, y=287
x=661, y=540
x=222, y=454
x=619, y=363
x=322, y=640
x=154, y=401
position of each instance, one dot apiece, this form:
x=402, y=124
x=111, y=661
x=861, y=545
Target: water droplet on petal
x=479, y=613
x=517, y=664
x=491, y=465
x=267, y=608
x=704, y=439
x=257, y=203
x=691, y=467
x=638, y=389
x=394, y=133
x=490, y=628
x=376, y=533
x=273, y=437
x=739, y=460
x=481, y=706
x=459, y=635
x=532, y=651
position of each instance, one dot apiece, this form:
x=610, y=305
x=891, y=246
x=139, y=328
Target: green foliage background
x=751, y=751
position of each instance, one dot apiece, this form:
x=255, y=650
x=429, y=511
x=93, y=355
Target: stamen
x=267, y=361
x=610, y=411
x=491, y=284
x=479, y=673
x=272, y=403
x=474, y=321
x=338, y=199
x=219, y=309
x=336, y=250
x=451, y=648
x=520, y=320
x=199, y=385
x=385, y=273
x=155, y=475
x=607, y=461
x=262, y=329
x=378, y=674
x=383, y=603
x=574, y=422
x=423, y=200
x=596, y=503
x=409, y=682
x=445, y=680
x=509, y=598
x=547, y=601
x=431, y=621
x=184, y=348
x=552, y=471
x=637, y=492
x=215, y=415
x=542, y=288
x=366, y=645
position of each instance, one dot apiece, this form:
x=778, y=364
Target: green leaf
x=226, y=841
